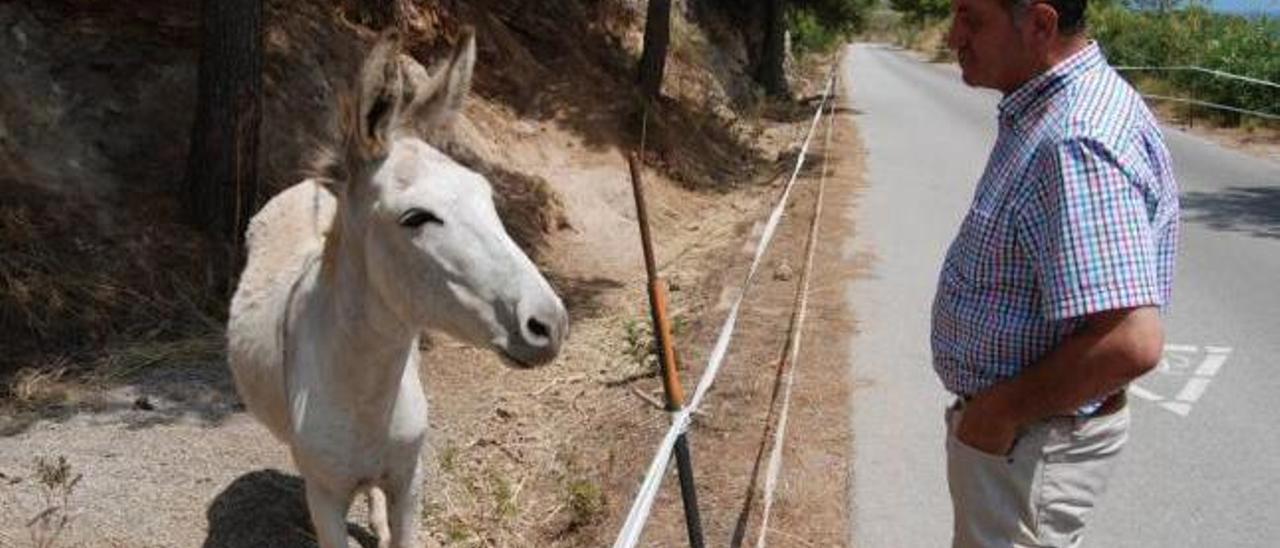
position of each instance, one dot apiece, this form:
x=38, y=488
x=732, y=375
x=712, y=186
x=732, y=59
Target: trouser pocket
x=991, y=495
x=1079, y=463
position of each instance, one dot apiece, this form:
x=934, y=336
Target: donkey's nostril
x=538, y=328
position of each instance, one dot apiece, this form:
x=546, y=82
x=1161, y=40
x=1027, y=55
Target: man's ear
x=1043, y=21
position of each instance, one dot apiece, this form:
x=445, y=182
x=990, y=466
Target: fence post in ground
x=667, y=359
x=1191, y=106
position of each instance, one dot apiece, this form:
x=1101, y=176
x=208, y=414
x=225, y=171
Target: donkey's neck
x=367, y=339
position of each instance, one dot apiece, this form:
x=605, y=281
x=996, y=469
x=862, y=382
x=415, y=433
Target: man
x=1048, y=303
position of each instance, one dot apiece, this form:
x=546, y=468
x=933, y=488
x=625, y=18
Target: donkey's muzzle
x=543, y=328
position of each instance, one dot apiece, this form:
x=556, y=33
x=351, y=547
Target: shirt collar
x=1017, y=106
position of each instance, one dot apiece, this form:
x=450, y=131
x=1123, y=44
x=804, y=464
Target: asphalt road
x=1202, y=468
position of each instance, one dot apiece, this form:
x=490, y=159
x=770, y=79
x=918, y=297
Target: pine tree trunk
x=772, y=72
x=657, y=35
x=221, y=187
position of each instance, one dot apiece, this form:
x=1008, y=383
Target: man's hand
x=983, y=428
x=1112, y=349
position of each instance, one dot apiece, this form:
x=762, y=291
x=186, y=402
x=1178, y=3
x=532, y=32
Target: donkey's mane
x=336, y=158
x=331, y=162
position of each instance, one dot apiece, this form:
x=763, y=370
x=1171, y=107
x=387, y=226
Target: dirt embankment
x=124, y=376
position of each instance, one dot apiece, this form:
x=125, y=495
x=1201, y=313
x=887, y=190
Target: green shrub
x=1196, y=36
x=808, y=33
x=817, y=25
x=921, y=11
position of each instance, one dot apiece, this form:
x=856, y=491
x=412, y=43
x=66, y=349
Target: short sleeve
x=1085, y=225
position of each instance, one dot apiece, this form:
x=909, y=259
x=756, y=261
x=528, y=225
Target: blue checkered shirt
x=1076, y=213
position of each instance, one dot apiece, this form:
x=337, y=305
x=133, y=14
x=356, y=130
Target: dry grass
x=61, y=384
x=75, y=284
x=586, y=502
x=37, y=387
x=496, y=492
x=57, y=482
x=87, y=302
x=124, y=362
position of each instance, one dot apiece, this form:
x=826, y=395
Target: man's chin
x=972, y=80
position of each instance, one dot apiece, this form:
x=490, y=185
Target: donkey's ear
x=435, y=96
x=379, y=91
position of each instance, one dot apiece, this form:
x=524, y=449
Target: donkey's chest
x=355, y=445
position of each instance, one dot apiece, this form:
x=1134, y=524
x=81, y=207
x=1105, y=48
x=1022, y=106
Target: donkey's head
x=428, y=234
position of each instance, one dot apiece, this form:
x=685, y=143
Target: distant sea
x=1268, y=8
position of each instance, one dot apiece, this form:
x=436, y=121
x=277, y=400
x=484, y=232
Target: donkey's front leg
x=328, y=515
x=404, y=500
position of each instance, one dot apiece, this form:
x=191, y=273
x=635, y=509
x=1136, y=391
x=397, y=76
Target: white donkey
x=344, y=271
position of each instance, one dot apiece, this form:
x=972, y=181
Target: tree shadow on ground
x=267, y=508
x=1249, y=210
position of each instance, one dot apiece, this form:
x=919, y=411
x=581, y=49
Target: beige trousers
x=1040, y=493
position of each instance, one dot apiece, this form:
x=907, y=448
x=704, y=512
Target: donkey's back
x=284, y=239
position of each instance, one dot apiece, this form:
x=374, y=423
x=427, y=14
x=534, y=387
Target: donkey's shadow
x=267, y=508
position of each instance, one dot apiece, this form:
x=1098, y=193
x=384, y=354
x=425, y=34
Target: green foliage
x=921, y=11
x=1196, y=36
x=818, y=25
x=808, y=33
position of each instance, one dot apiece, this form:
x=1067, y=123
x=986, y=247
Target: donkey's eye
x=415, y=218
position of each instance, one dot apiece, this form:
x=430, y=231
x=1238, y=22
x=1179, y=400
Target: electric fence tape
x=629, y=535
x=793, y=352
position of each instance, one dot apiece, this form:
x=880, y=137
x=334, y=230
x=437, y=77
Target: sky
x=1246, y=6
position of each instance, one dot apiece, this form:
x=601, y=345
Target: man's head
x=1003, y=43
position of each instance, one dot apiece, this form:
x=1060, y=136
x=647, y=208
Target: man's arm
x=1110, y=350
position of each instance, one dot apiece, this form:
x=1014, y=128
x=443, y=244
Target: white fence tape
x=1197, y=102
x=793, y=353
x=1193, y=68
x=629, y=535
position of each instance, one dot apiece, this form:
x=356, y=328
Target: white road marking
x=1177, y=359
x=1213, y=362
x=1176, y=363
x=1193, y=390
x=1144, y=393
